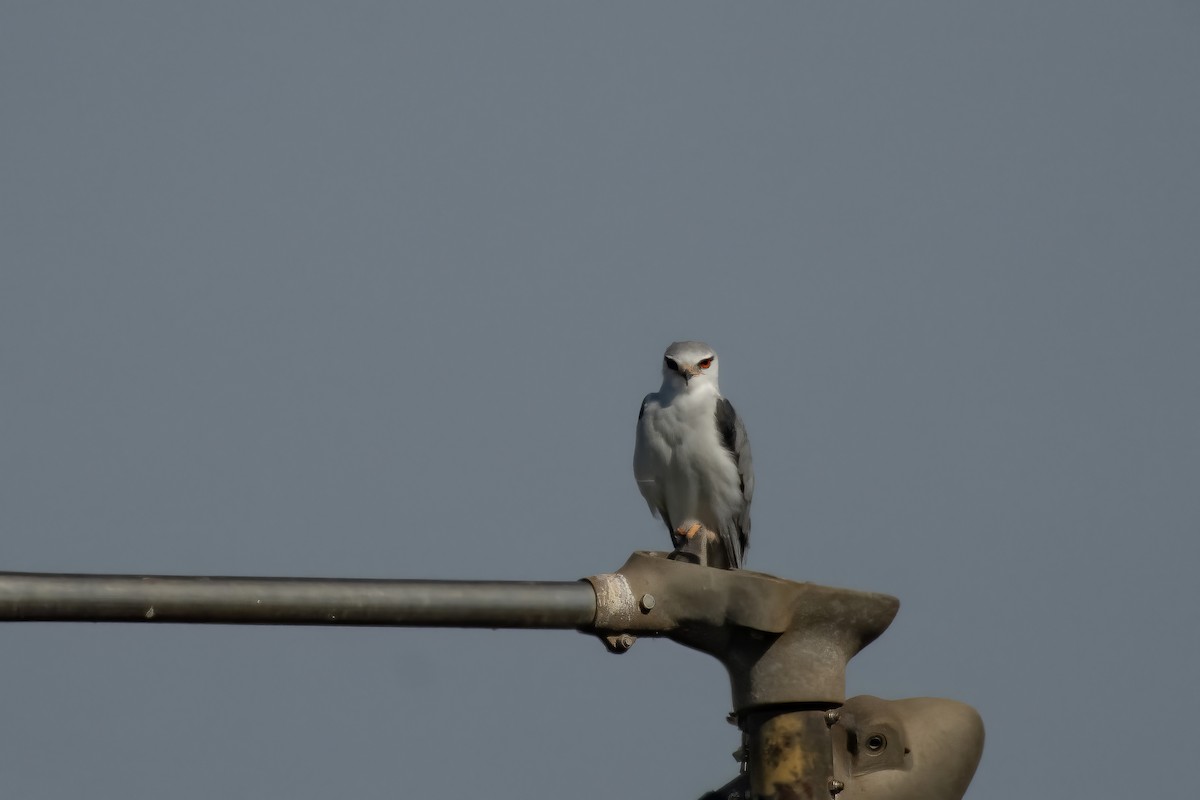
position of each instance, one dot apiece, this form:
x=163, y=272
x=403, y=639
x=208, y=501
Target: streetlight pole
x=785, y=646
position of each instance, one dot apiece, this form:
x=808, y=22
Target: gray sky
x=375, y=290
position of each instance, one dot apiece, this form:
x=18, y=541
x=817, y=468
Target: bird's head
x=689, y=365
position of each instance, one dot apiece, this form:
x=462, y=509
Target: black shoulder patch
x=642, y=410
x=727, y=424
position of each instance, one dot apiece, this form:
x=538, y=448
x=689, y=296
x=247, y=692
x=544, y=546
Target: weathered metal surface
x=295, y=601
x=790, y=755
x=921, y=748
x=781, y=641
x=616, y=607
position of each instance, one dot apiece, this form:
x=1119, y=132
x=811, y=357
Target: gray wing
x=736, y=536
x=644, y=471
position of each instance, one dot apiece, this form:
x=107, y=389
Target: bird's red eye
x=706, y=363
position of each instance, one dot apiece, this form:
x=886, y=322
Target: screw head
x=619, y=643
x=647, y=603
x=832, y=716
x=835, y=786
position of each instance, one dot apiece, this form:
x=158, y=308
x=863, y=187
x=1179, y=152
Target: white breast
x=681, y=464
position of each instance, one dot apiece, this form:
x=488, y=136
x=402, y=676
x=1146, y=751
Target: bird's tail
x=731, y=541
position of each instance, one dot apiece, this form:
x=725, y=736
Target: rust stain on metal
x=791, y=756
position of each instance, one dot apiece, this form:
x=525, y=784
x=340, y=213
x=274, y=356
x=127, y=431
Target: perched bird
x=692, y=457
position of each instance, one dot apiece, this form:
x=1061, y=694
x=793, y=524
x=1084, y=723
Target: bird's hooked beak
x=688, y=372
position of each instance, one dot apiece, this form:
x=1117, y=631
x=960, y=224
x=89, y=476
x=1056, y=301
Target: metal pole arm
x=38, y=597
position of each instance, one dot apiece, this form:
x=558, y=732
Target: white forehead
x=688, y=352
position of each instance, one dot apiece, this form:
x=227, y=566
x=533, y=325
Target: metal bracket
x=782, y=642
